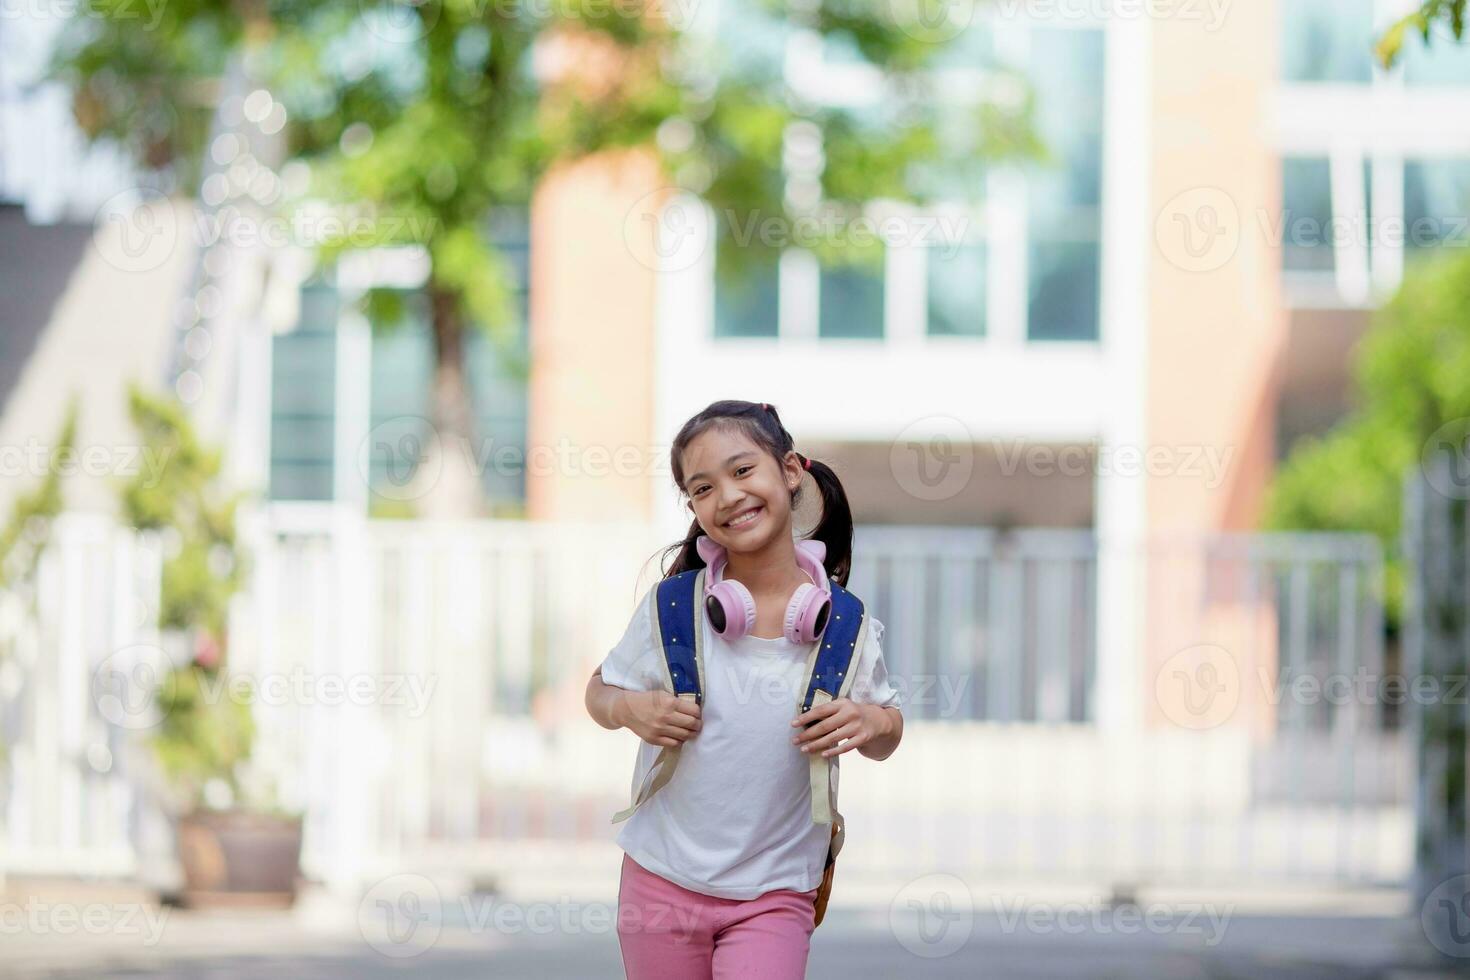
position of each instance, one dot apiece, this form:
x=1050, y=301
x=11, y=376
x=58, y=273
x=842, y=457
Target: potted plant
x=232, y=850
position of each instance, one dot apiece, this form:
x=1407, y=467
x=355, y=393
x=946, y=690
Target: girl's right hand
x=660, y=717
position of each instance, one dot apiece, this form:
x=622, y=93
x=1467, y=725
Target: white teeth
x=744, y=519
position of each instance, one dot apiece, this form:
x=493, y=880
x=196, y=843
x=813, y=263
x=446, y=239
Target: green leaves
x=25, y=532
x=207, y=731
x=1413, y=377
x=181, y=500
x=1391, y=42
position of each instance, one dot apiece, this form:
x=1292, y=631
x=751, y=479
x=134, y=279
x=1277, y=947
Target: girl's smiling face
x=738, y=492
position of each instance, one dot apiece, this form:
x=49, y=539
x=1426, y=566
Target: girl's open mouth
x=745, y=520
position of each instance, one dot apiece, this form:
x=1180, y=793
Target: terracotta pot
x=235, y=859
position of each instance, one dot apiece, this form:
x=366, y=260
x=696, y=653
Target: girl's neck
x=769, y=571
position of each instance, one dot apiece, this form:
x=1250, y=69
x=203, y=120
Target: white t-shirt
x=735, y=820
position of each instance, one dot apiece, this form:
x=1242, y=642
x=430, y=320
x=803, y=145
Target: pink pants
x=668, y=932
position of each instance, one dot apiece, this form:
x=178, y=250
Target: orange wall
x=1217, y=327
x=592, y=339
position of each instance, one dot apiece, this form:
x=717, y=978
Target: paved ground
x=1033, y=942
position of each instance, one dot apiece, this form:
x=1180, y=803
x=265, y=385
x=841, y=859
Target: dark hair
x=760, y=422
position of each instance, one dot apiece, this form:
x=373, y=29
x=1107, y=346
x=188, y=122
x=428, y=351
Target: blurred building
x=1122, y=340
x=1086, y=305
x=1115, y=347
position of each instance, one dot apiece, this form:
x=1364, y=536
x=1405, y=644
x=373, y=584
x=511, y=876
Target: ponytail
x=835, y=528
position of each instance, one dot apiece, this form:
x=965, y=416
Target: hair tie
x=765, y=407
x=806, y=461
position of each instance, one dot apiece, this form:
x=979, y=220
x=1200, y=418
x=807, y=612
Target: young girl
x=723, y=864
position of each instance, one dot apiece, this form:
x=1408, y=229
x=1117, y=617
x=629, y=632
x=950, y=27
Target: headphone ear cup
x=731, y=609
x=806, y=616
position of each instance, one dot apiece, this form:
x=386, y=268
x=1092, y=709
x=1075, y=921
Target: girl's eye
x=743, y=469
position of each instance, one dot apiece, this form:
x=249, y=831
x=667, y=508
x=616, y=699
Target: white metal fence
x=67, y=797
x=420, y=698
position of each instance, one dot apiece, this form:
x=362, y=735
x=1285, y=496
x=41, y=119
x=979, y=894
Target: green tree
x=1412, y=372
x=439, y=111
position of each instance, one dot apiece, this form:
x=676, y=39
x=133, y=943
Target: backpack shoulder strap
x=678, y=628
x=829, y=676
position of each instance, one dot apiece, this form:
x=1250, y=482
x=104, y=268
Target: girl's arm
x=888, y=725
x=605, y=703
x=657, y=717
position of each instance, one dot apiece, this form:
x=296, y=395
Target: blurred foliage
x=1450, y=13
x=1412, y=377
x=437, y=112
x=195, y=518
x=206, y=731
x=26, y=530
x=24, y=535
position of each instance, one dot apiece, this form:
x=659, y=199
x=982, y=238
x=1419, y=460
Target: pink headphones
x=731, y=609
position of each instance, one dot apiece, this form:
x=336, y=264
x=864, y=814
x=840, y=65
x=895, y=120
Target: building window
x=957, y=296
x=851, y=301
x=1065, y=289
x=746, y=291
x=1306, y=195
x=401, y=370
x=303, y=389
x=1436, y=203
x=1443, y=61
x=1327, y=41
x=1065, y=199
x=402, y=385
x=1056, y=207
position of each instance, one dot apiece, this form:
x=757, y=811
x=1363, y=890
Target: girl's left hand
x=842, y=720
